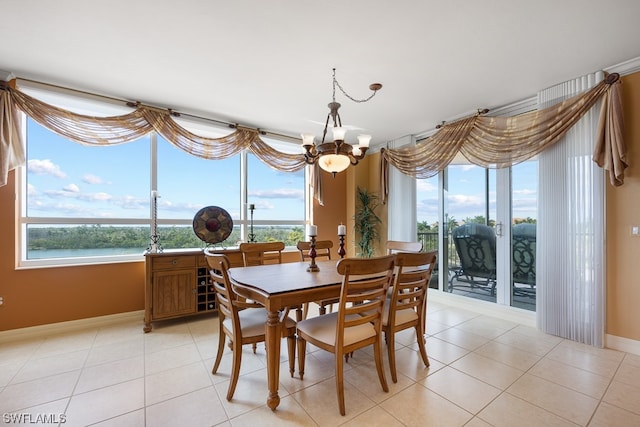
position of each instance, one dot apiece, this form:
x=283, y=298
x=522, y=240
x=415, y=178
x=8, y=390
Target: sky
x=466, y=193
x=67, y=179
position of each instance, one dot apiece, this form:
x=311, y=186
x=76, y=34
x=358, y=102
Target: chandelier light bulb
x=363, y=140
x=308, y=139
x=339, y=133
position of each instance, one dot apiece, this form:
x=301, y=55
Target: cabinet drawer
x=172, y=262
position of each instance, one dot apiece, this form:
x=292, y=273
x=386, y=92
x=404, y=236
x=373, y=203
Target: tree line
x=97, y=236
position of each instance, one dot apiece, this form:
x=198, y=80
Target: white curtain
x=571, y=228
x=402, y=200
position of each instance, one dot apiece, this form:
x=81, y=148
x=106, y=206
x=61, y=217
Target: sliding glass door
x=484, y=221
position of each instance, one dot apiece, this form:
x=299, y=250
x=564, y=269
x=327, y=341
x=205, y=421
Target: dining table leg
x=273, y=335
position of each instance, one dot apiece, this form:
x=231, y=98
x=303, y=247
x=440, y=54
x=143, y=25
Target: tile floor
x=484, y=372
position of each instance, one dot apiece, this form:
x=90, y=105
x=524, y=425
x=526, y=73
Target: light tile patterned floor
x=484, y=372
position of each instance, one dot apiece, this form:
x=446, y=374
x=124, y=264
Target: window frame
x=23, y=220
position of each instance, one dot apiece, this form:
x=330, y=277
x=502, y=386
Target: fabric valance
x=92, y=130
x=499, y=142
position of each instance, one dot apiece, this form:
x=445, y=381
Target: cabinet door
x=173, y=293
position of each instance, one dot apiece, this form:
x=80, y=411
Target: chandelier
x=337, y=155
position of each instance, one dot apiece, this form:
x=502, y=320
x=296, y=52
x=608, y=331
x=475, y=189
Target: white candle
x=154, y=194
x=342, y=230
x=312, y=230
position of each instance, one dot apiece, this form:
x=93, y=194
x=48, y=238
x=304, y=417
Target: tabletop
x=286, y=277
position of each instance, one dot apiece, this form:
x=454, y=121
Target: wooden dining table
x=278, y=286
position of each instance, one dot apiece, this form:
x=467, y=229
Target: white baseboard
x=622, y=344
x=512, y=314
x=72, y=325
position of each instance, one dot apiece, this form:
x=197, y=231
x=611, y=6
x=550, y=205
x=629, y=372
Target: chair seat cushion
x=252, y=322
x=402, y=316
x=323, y=329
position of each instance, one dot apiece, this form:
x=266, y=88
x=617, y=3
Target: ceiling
x=268, y=64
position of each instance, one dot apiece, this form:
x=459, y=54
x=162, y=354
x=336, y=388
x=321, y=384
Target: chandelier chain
x=335, y=83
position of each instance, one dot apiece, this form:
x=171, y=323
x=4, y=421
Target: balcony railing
x=430, y=243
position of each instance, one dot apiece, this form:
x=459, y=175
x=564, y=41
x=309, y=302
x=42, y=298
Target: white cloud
x=45, y=167
x=278, y=193
x=101, y=196
x=426, y=185
x=131, y=202
x=92, y=179
x=72, y=188
x=31, y=190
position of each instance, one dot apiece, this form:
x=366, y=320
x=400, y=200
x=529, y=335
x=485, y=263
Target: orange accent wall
x=623, y=211
x=49, y=295
x=333, y=213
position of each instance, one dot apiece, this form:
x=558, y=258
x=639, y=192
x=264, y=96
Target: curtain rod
x=171, y=111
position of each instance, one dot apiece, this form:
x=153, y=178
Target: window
x=279, y=201
x=87, y=204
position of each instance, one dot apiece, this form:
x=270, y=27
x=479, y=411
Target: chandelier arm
x=326, y=125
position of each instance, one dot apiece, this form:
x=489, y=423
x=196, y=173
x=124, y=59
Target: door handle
x=499, y=229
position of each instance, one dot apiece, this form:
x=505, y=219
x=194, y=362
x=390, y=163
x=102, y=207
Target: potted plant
x=366, y=222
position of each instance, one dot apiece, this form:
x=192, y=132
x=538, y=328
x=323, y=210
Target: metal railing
x=430, y=243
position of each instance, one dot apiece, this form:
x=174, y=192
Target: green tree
x=423, y=227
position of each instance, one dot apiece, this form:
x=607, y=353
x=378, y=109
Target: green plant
x=366, y=222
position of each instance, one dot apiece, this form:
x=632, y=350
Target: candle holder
x=252, y=237
x=154, y=238
x=341, y=250
x=312, y=254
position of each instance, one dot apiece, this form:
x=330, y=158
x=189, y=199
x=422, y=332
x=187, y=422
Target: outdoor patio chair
x=523, y=266
x=476, y=247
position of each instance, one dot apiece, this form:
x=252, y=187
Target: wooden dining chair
x=394, y=246
x=357, y=322
x=241, y=321
x=261, y=253
x=406, y=308
x=323, y=251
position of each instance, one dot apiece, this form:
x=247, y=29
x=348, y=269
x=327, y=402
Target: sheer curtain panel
x=402, y=200
x=571, y=229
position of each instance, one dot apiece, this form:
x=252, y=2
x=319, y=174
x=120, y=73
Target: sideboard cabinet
x=177, y=284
